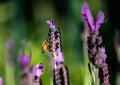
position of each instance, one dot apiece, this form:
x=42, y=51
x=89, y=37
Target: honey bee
x=45, y=45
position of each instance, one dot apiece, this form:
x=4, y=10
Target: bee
x=45, y=45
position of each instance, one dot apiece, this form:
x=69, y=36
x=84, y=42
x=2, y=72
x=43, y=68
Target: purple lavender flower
x=87, y=15
x=96, y=48
x=104, y=56
x=60, y=71
x=38, y=70
x=51, y=23
x=104, y=74
x=54, y=40
x=95, y=43
x=55, y=43
x=24, y=60
x=100, y=20
x=59, y=58
x=0, y=80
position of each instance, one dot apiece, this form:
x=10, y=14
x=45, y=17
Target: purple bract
x=59, y=58
x=87, y=15
x=38, y=70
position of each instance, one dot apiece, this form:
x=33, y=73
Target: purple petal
x=104, y=56
x=0, y=80
x=86, y=13
x=100, y=20
x=24, y=60
x=60, y=58
x=38, y=70
x=51, y=24
x=84, y=7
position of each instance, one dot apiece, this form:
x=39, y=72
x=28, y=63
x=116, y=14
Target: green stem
x=86, y=61
x=96, y=77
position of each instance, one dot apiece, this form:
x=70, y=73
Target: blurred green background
x=25, y=20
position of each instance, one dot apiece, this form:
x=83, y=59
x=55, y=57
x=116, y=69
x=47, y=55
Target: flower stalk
x=53, y=47
x=24, y=61
x=96, y=47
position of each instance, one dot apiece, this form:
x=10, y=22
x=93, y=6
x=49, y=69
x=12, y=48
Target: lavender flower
x=0, y=80
x=55, y=43
x=104, y=56
x=54, y=35
x=59, y=58
x=96, y=48
x=38, y=70
x=86, y=13
x=24, y=60
x=104, y=74
x=61, y=75
x=51, y=24
x=60, y=71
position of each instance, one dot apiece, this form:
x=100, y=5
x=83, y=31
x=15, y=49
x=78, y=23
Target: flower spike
x=54, y=37
x=96, y=47
x=53, y=44
x=24, y=60
x=38, y=70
